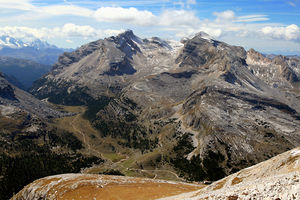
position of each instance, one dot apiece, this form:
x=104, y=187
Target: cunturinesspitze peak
x=227, y=108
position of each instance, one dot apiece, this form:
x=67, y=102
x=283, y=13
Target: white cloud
x=73, y=30
x=178, y=18
x=16, y=4
x=252, y=18
x=67, y=31
x=292, y=4
x=65, y=10
x=291, y=32
x=179, y=3
x=226, y=16
x=191, y=2
x=146, y=18
x=127, y=15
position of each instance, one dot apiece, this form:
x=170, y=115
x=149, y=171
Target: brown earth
x=101, y=187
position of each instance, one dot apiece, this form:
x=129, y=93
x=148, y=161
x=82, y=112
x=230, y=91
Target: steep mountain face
x=111, y=63
x=37, y=50
x=280, y=71
x=210, y=108
x=14, y=97
x=22, y=72
x=31, y=146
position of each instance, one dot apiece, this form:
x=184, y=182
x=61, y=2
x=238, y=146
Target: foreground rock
x=83, y=186
x=277, y=178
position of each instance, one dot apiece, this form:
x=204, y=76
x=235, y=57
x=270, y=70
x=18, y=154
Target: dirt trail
x=157, y=170
x=90, y=149
x=84, y=136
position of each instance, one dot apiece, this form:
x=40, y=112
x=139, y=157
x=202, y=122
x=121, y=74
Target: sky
x=269, y=26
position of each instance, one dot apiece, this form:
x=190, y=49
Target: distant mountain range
x=24, y=62
x=37, y=50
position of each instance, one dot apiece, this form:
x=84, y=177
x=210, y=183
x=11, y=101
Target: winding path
x=84, y=137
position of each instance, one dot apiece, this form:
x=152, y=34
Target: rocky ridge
x=277, y=178
x=17, y=99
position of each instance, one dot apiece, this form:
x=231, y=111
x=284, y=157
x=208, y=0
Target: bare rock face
x=215, y=107
x=276, y=178
x=6, y=90
x=13, y=96
x=279, y=71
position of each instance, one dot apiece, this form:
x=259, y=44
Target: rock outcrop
x=277, y=178
x=12, y=96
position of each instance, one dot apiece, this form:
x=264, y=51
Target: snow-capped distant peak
x=6, y=41
x=39, y=44
x=10, y=42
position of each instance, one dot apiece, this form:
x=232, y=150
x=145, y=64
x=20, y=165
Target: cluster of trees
x=196, y=169
x=18, y=171
x=25, y=157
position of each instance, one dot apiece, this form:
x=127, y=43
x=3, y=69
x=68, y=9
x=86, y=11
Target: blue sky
x=270, y=26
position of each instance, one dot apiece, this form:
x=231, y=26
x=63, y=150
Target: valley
x=126, y=161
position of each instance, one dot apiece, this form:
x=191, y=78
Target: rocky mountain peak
x=204, y=35
x=39, y=44
x=128, y=34
x=202, y=51
x=254, y=57
x=10, y=42
x=127, y=42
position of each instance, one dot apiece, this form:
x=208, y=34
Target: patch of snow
x=295, y=152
